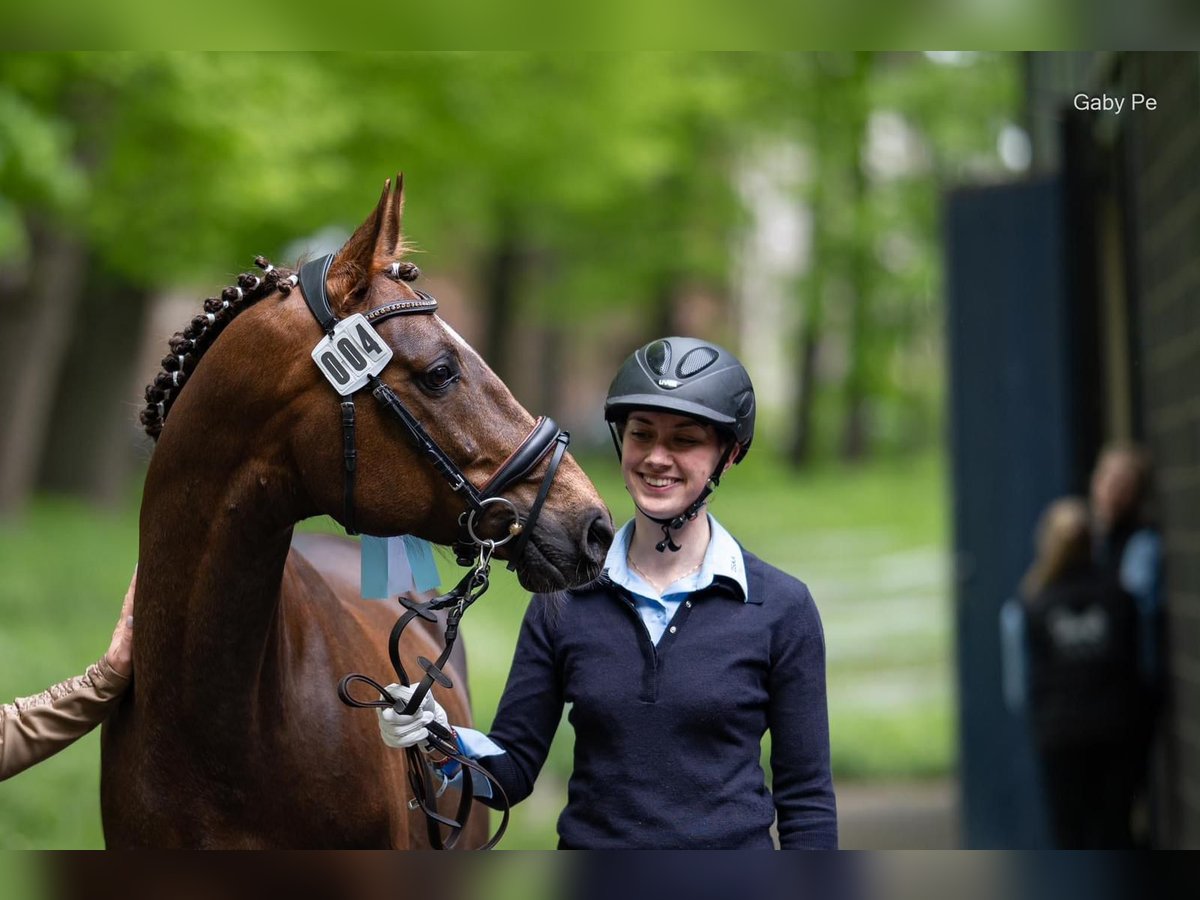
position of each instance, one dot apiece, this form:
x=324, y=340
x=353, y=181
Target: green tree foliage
x=949, y=116
x=886, y=135
x=576, y=190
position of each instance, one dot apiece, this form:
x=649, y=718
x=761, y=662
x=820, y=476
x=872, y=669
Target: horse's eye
x=440, y=377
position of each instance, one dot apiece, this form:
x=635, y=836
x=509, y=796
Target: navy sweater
x=667, y=738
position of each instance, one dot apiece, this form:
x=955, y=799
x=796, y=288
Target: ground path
x=898, y=815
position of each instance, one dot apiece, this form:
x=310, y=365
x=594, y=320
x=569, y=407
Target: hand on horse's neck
x=664, y=568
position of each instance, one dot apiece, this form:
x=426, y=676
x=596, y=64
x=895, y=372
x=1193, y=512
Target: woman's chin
x=658, y=506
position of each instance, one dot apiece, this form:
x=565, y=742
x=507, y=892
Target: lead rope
x=420, y=778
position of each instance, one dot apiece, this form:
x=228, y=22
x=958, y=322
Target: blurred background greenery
x=566, y=207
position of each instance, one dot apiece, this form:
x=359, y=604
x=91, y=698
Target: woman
x=34, y=728
x=679, y=657
x=1084, y=686
x=1127, y=544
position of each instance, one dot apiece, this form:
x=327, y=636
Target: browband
x=312, y=285
x=425, y=304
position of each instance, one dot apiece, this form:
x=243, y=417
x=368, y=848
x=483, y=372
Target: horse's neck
x=216, y=525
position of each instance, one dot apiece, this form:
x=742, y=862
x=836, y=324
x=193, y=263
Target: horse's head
x=464, y=408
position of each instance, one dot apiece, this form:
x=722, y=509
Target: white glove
x=399, y=730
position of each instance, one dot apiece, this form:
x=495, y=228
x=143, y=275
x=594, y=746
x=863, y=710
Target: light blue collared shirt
x=1141, y=576
x=723, y=558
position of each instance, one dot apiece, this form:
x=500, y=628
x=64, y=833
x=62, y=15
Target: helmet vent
x=695, y=361
x=658, y=357
x=745, y=405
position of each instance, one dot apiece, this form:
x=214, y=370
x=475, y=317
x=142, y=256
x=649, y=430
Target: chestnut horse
x=232, y=734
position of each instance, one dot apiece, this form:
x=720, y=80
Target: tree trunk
x=38, y=322
x=800, y=448
x=97, y=402
x=665, y=295
x=552, y=372
x=800, y=445
x=855, y=438
x=503, y=270
x=855, y=442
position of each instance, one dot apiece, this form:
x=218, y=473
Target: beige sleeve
x=33, y=728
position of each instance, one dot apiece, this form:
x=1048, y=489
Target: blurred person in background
x=1128, y=545
x=34, y=728
x=678, y=658
x=1084, y=684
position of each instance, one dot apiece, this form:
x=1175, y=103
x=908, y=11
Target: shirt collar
x=722, y=560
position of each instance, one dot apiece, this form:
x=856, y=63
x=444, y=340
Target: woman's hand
x=120, y=650
x=399, y=730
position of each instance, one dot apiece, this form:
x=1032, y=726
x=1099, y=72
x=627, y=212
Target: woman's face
x=1115, y=488
x=666, y=460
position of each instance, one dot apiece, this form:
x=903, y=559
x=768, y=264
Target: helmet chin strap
x=674, y=523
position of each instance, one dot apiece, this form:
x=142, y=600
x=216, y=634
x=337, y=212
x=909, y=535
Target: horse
x=232, y=735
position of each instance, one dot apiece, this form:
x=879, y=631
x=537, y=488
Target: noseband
x=351, y=356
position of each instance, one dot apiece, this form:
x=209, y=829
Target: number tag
x=352, y=354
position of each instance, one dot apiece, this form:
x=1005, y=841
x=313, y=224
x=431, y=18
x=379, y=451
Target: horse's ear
x=387, y=245
x=352, y=267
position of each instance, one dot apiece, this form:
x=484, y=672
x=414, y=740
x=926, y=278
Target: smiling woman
x=679, y=657
x=666, y=457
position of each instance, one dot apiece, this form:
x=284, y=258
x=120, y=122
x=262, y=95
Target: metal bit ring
x=495, y=543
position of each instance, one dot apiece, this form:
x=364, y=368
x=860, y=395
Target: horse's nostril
x=599, y=536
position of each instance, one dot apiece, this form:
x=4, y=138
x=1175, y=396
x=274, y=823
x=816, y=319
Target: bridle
x=352, y=355
x=544, y=436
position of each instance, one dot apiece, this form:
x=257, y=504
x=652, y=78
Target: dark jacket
x=1084, y=682
x=667, y=738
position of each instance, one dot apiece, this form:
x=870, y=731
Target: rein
x=420, y=779
x=351, y=356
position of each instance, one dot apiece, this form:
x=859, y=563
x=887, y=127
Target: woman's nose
x=658, y=454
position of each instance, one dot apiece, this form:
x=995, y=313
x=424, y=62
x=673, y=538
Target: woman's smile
x=659, y=483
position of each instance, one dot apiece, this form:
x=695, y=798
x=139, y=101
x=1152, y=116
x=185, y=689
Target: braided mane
x=188, y=346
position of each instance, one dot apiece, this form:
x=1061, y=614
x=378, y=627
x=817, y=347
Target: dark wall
x=1163, y=177
x=1154, y=179
x=1013, y=340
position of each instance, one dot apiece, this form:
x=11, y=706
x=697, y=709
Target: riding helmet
x=689, y=377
